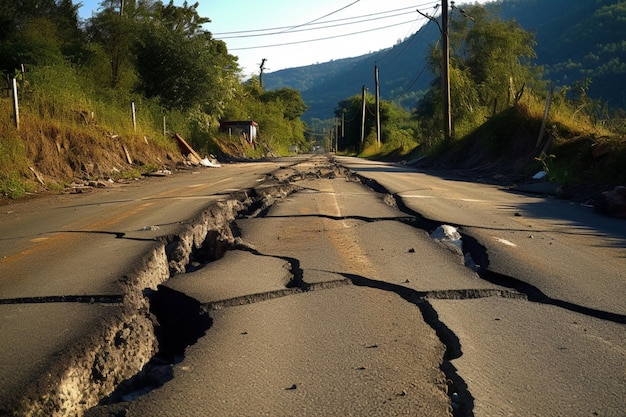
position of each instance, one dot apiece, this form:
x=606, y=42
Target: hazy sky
x=292, y=33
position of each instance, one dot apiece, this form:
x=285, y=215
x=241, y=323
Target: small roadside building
x=247, y=129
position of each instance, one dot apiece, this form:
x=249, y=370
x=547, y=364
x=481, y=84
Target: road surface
x=297, y=287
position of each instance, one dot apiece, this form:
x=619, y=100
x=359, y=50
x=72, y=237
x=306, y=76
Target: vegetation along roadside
x=77, y=82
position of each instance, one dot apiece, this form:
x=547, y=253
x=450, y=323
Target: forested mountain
x=579, y=43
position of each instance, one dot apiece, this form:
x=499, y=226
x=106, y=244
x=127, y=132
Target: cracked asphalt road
x=319, y=296
x=564, y=352
x=390, y=323
x=351, y=338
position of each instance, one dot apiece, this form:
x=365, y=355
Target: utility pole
x=363, y=117
x=447, y=129
x=261, y=69
x=334, y=134
x=343, y=123
x=377, y=105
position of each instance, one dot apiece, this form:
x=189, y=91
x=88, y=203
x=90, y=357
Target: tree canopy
x=150, y=51
x=490, y=64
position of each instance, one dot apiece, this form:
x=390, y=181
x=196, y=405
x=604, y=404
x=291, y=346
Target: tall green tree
x=490, y=62
x=183, y=20
x=181, y=64
x=351, y=111
x=276, y=111
x=115, y=31
x=34, y=32
x=397, y=128
x=291, y=99
x=494, y=55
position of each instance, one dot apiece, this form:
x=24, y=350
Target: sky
x=291, y=33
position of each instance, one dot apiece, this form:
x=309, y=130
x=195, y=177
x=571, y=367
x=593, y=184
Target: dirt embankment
x=51, y=159
x=61, y=155
x=507, y=151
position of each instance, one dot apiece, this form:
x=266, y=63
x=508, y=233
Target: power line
x=318, y=27
x=403, y=49
x=417, y=77
x=321, y=39
x=326, y=15
x=252, y=31
x=384, y=61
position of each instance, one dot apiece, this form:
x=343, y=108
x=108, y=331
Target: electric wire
x=321, y=39
x=417, y=77
x=419, y=74
x=382, y=63
x=320, y=18
x=356, y=114
x=316, y=28
x=317, y=24
x=403, y=49
x=411, y=8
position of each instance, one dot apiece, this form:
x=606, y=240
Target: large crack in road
x=136, y=351
x=205, y=244
x=479, y=254
x=126, y=341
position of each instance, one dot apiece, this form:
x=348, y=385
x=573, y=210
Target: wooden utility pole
x=363, y=117
x=261, y=69
x=445, y=75
x=377, y=105
x=445, y=66
x=343, y=123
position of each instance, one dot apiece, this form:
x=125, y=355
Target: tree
x=276, y=111
x=490, y=61
x=291, y=100
x=397, y=128
x=353, y=119
x=492, y=53
x=38, y=31
x=183, y=20
x=181, y=64
x=115, y=32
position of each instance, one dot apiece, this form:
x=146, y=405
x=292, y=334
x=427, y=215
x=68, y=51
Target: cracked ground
x=320, y=293
x=321, y=307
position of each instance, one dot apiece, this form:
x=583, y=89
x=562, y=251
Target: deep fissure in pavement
x=479, y=255
x=185, y=257
x=177, y=320
x=181, y=321
x=461, y=399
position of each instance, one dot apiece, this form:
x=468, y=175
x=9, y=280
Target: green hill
x=577, y=42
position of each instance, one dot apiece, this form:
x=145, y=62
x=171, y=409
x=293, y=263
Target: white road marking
x=506, y=242
x=415, y=196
